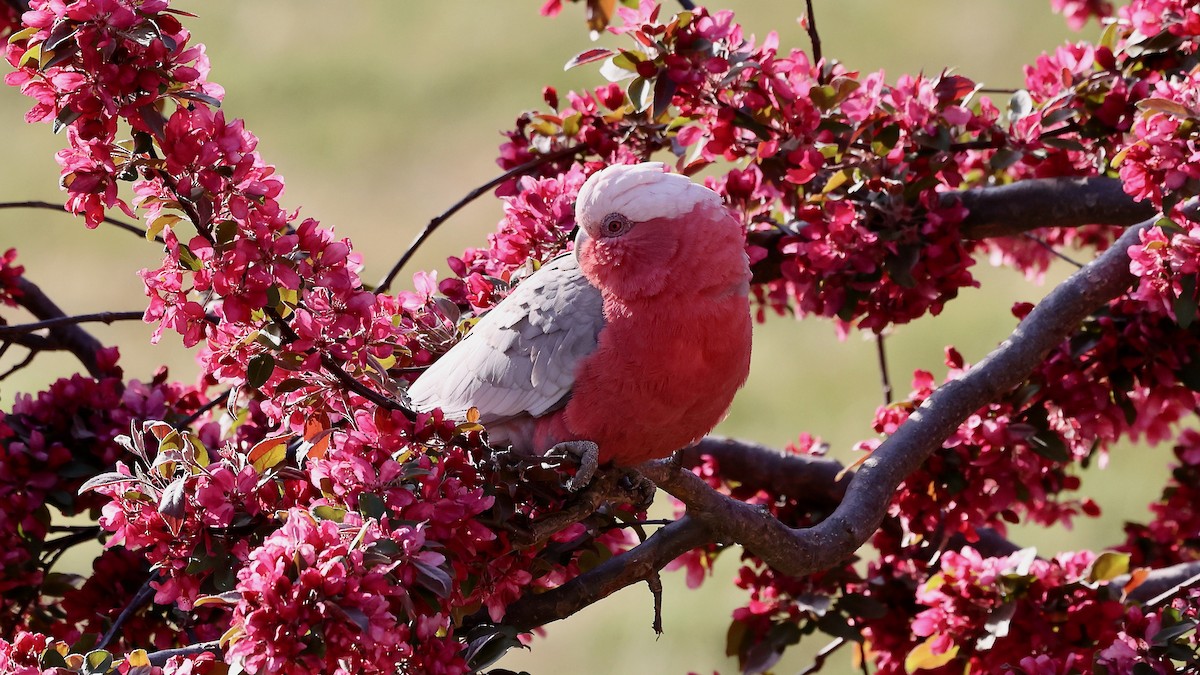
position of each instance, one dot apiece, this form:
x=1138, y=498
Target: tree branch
x=62, y=209
x=1047, y=202
x=1010, y=210
x=1162, y=584
x=386, y=282
x=811, y=481
x=99, y=317
x=73, y=338
x=810, y=25
x=637, y=564
x=802, y=551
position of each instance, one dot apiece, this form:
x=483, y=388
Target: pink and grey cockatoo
x=628, y=348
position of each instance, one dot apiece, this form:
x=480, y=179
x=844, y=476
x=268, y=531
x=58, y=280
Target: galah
x=626, y=349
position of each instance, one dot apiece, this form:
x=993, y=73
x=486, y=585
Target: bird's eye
x=614, y=225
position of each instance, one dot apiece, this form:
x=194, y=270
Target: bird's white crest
x=639, y=192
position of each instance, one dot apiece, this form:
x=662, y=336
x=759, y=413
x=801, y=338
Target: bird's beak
x=580, y=237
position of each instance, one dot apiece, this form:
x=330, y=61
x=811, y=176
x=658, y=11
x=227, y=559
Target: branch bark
x=1008, y=210
x=70, y=336
x=638, y=564
x=802, y=551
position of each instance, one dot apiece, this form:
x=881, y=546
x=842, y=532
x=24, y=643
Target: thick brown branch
x=1048, y=202
x=803, y=551
x=638, y=564
x=1160, y=582
x=1012, y=209
x=811, y=481
x=72, y=337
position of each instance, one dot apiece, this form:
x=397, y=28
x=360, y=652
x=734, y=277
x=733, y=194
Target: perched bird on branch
x=624, y=350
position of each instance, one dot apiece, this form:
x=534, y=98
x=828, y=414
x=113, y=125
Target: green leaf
x=1050, y=445
x=588, y=56
x=1108, y=566
x=199, y=96
x=640, y=94
x=1165, y=106
x=189, y=259
x=269, y=452
x=259, y=370
x=98, y=661
x=1170, y=633
x=1004, y=158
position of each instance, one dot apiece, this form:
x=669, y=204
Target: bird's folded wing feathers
x=520, y=358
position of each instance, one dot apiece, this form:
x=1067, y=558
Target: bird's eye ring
x=614, y=225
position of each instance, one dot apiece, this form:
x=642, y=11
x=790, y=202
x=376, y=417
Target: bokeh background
x=381, y=114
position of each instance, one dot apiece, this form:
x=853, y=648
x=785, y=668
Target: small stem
x=160, y=657
x=885, y=379
x=59, y=207
x=820, y=657
x=386, y=282
x=654, y=582
x=1055, y=252
x=813, y=36
x=216, y=400
x=340, y=373
x=139, y=600
x=98, y=317
x=21, y=365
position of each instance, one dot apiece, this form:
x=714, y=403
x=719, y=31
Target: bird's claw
x=586, y=453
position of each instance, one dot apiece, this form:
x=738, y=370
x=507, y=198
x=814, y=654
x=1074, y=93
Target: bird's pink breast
x=666, y=367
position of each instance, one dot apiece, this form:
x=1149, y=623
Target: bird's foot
x=586, y=454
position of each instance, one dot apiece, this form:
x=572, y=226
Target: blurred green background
x=381, y=114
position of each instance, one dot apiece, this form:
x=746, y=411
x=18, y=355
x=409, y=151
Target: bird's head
x=637, y=220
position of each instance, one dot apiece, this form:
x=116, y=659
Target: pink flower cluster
x=1151, y=17
x=340, y=590
x=93, y=62
x=1078, y=12
x=10, y=274
x=989, y=610
x=49, y=443
x=863, y=238
x=1160, y=163
x=20, y=656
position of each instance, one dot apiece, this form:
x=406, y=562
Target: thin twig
x=98, y=317
x=335, y=369
x=386, y=282
x=885, y=379
x=59, y=207
x=139, y=600
x=72, y=338
x=811, y=27
x=160, y=657
x=1053, y=251
x=820, y=657
x=216, y=400
x=20, y=365
x=687, y=4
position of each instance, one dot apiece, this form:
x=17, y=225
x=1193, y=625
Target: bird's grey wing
x=520, y=358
